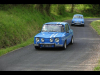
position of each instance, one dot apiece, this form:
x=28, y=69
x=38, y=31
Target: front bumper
x=77, y=23
x=49, y=45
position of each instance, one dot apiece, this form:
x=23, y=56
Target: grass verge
x=96, y=26
x=97, y=68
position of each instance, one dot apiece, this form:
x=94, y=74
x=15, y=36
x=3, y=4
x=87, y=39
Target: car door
x=67, y=33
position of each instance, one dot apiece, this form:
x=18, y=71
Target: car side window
x=82, y=17
x=62, y=29
x=66, y=27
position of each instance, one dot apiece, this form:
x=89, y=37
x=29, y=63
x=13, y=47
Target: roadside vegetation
x=19, y=23
x=96, y=26
x=97, y=68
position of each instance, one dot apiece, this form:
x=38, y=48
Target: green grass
x=19, y=25
x=9, y=49
x=96, y=26
x=97, y=68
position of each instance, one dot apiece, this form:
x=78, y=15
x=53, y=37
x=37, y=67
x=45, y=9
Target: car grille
x=46, y=40
x=77, y=22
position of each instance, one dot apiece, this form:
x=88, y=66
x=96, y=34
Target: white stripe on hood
x=52, y=35
x=55, y=35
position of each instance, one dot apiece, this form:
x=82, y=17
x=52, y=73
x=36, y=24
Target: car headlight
x=42, y=40
x=51, y=40
x=37, y=39
x=73, y=21
x=57, y=39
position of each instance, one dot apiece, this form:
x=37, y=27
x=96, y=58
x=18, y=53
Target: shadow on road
x=50, y=49
x=77, y=26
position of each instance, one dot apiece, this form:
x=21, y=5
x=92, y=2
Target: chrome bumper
x=56, y=45
x=77, y=23
x=72, y=23
x=36, y=44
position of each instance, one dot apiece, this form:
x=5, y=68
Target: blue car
x=54, y=34
x=78, y=19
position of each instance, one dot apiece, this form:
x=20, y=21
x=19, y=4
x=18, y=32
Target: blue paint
x=78, y=19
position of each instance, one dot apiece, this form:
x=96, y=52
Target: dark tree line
x=94, y=8
x=43, y=7
x=46, y=8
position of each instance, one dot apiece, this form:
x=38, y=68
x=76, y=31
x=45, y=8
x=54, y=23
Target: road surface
x=82, y=55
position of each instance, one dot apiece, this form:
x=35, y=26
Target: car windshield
x=77, y=17
x=53, y=28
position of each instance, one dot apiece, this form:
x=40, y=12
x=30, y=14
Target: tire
x=64, y=47
x=82, y=25
x=37, y=47
x=72, y=40
x=71, y=24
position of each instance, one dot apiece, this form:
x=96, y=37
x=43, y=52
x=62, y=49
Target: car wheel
x=72, y=40
x=37, y=47
x=71, y=24
x=83, y=25
x=64, y=47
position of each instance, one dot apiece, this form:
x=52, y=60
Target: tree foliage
x=72, y=8
x=43, y=7
x=61, y=9
x=94, y=9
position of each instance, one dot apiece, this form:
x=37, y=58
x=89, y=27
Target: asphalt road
x=82, y=55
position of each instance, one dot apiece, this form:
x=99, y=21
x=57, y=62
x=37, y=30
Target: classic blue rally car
x=54, y=34
x=78, y=19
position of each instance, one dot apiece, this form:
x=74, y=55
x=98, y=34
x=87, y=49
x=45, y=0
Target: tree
x=72, y=7
x=39, y=7
x=61, y=9
x=94, y=8
x=47, y=8
x=43, y=7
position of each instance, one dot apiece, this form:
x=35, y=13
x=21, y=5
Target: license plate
x=47, y=45
x=78, y=23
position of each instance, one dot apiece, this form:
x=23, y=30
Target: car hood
x=78, y=19
x=50, y=34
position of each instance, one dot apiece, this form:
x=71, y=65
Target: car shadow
x=54, y=49
x=77, y=26
x=50, y=49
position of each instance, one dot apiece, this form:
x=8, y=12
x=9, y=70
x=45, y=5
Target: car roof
x=56, y=23
x=78, y=15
